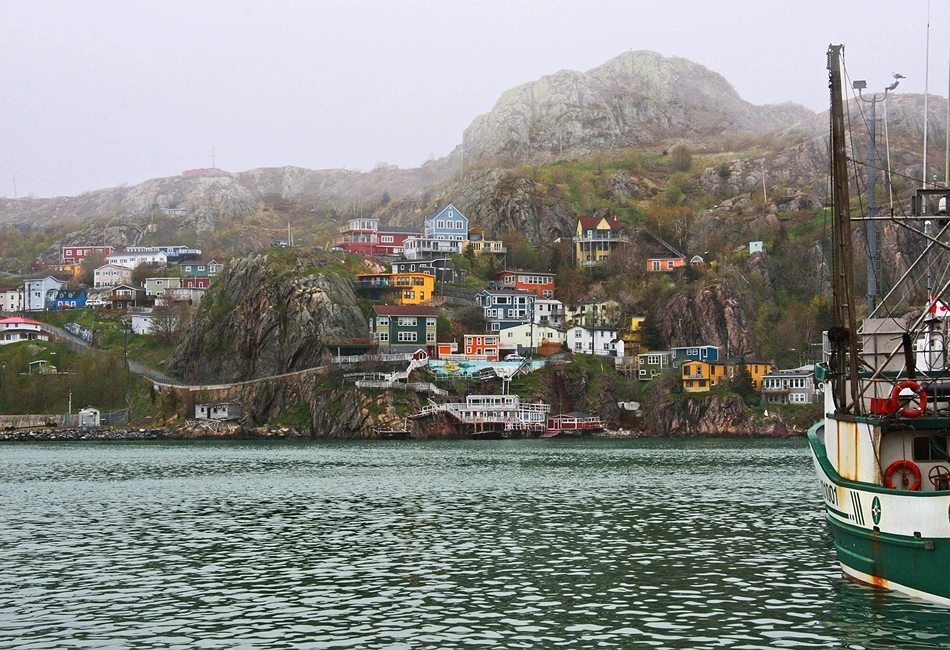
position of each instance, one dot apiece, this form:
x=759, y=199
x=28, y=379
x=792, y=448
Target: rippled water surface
x=507, y=544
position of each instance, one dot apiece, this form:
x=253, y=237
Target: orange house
x=482, y=345
x=665, y=264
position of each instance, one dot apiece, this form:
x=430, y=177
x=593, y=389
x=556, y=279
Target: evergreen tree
x=742, y=383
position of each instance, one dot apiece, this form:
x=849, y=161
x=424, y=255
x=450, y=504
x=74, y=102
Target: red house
x=538, y=283
x=76, y=254
x=366, y=237
x=195, y=283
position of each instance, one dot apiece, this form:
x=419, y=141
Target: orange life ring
x=903, y=466
x=921, y=397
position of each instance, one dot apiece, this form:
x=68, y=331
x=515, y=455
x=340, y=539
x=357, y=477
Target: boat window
x=931, y=448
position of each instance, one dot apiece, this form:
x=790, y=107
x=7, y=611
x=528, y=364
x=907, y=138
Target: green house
x=394, y=325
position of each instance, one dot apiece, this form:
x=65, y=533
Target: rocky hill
x=635, y=99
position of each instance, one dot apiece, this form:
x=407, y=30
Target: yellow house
x=701, y=376
x=633, y=336
x=399, y=288
x=596, y=239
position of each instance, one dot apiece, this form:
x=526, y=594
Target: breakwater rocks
x=185, y=432
x=60, y=435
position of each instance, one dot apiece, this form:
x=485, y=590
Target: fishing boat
x=881, y=452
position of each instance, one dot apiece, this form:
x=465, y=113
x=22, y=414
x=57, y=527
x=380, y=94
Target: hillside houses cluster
x=181, y=276
x=520, y=311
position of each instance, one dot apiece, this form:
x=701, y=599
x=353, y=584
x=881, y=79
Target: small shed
x=89, y=417
x=218, y=411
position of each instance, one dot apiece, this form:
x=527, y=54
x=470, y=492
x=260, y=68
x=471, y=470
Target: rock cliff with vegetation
x=268, y=315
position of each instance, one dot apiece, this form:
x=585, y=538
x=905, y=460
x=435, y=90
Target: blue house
x=67, y=299
x=695, y=353
x=448, y=223
x=505, y=308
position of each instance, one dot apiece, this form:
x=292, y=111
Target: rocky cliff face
x=635, y=98
x=709, y=416
x=711, y=315
x=265, y=318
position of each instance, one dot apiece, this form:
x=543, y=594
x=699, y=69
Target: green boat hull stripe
x=920, y=563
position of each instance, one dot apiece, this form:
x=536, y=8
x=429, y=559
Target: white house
x=218, y=411
x=142, y=323
x=602, y=341
x=131, y=260
x=21, y=329
x=548, y=311
x=89, y=417
x=36, y=290
x=11, y=300
x=528, y=337
x=111, y=275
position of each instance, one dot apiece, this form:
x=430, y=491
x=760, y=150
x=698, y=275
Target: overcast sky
x=99, y=93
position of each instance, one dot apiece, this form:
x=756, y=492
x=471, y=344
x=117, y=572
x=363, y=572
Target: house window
x=495, y=327
x=383, y=336
x=468, y=350
x=406, y=321
x=386, y=239
x=440, y=224
x=669, y=264
x=430, y=322
x=407, y=337
x=382, y=321
x=458, y=225
x=430, y=337
x=656, y=265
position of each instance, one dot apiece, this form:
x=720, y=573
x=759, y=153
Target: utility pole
x=212, y=158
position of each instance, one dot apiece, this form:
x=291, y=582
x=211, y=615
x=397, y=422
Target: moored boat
x=881, y=452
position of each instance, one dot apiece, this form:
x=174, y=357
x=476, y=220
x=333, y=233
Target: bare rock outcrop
x=711, y=315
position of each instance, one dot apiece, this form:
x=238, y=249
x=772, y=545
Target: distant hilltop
x=207, y=171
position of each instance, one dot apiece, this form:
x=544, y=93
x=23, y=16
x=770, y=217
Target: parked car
x=514, y=357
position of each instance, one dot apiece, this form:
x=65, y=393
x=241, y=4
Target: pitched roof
x=591, y=223
x=405, y=310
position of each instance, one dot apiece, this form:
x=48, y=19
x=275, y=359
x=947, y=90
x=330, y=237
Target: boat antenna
x=842, y=335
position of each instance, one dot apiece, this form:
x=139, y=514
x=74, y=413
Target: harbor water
x=598, y=543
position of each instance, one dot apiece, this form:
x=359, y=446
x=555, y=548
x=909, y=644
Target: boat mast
x=843, y=336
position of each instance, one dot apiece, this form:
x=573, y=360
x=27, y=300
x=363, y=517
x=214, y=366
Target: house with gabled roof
x=596, y=239
x=444, y=233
